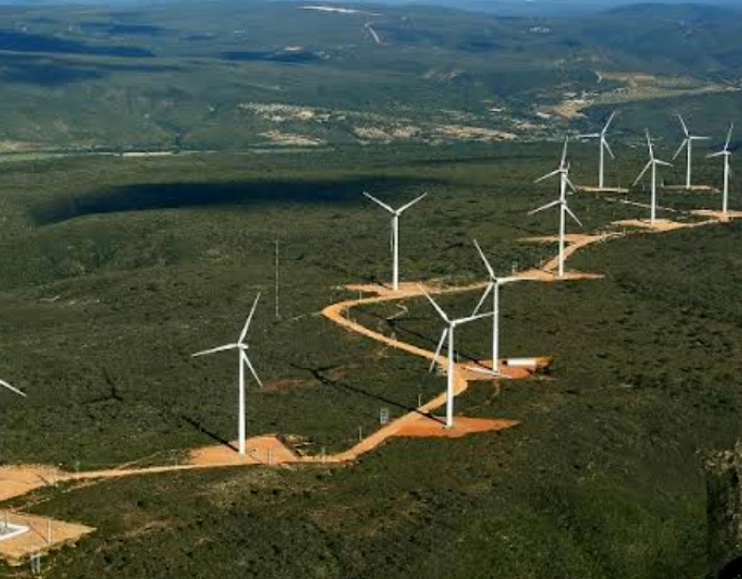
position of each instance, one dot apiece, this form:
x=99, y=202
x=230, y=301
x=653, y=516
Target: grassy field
x=115, y=270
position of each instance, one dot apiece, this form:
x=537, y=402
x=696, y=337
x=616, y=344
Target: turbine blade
x=685, y=127
x=484, y=297
x=473, y=318
x=247, y=363
x=680, y=148
x=215, y=350
x=486, y=262
x=514, y=279
x=572, y=215
x=438, y=350
x=589, y=136
x=644, y=171
x=241, y=339
x=12, y=388
x=649, y=145
x=379, y=203
x=719, y=154
x=571, y=185
x=564, y=151
x=548, y=175
x=435, y=305
x=411, y=203
x=545, y=207
x=729, y=136
x=608, y=148
x=663, y=163
x=608, y=124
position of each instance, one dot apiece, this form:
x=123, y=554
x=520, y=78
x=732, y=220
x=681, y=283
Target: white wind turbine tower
x=688, y=144
x=11, y=388
x=243, y=362
x=395, y=232
x=493, y=286
x=563, y=172
x=449, y=333
x=726, y=153
x=653, y=163
x=604, y=147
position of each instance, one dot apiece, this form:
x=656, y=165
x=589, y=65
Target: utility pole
x=278, y=314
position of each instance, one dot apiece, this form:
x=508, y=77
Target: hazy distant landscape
x=174, y=77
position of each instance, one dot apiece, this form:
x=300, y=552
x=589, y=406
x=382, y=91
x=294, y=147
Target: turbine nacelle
x=653, y=161
x=725, y=151
x=451, y=324
x=394, y=240
x=238, y=345
x=400, y=210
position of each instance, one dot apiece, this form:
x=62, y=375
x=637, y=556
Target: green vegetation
x=117, y=269
x=234, y=75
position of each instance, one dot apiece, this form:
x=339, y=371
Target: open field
x=118, y=269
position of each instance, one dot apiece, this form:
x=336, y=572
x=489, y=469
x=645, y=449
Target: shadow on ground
x=152, y=196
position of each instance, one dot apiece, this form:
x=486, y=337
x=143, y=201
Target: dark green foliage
x=601, y=478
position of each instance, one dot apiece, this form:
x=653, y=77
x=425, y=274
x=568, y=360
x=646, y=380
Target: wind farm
x=474, y=341
x=524, y=361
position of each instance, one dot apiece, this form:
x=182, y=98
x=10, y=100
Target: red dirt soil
x=17, y=549
x=428, y=427
x=718, y=215
x=16, y=481
x=19, y=480
x=660, y=224
x=266, y=449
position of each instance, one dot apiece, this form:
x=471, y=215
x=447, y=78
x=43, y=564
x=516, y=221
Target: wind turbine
x=653, y=163
x=493, y=286
x=688, y=144
x=563, y=172
x=11, y=388
x=726, y=153
x=604, y=147
x=243, y=362
x=395, y=232
x=448, y=332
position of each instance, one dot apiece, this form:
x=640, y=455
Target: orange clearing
x=17, y=481
x=427, y=427
x=43, y=534
x=661, y=224
x=718, y=215
x=266, y=449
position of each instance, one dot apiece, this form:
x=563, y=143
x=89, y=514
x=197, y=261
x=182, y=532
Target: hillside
x=236, y=75
x=117, y=269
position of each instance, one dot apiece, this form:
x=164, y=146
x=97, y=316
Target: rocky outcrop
x=724, y=513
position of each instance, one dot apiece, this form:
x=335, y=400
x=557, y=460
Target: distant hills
x=531, y=8
x=232, y=74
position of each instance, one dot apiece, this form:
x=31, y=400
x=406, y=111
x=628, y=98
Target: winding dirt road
x=269, y=450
